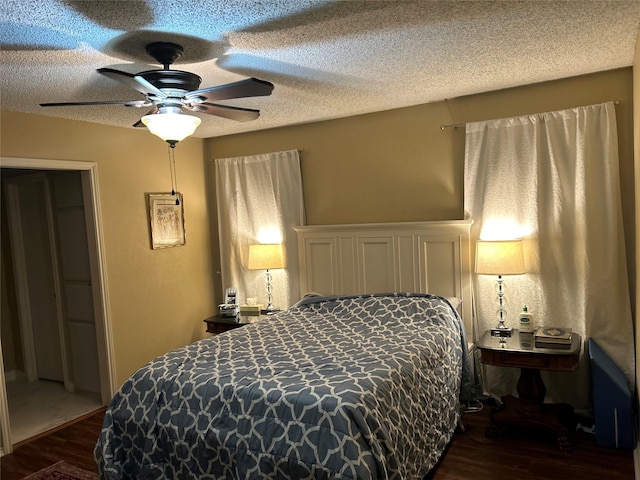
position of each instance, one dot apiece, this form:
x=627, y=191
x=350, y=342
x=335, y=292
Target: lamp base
x=501, y=332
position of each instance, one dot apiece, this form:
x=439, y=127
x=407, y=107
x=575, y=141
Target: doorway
x=76, y=357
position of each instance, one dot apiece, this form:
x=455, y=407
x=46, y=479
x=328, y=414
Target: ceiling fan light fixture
x=171, y=127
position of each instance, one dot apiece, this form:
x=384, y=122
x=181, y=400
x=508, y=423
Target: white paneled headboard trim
x=420, y=257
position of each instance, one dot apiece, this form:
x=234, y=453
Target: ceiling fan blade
x=153, y=111
x=225, y=111
x=251, y=87
x=126, y=103
x=151, y=88
x=131, y=81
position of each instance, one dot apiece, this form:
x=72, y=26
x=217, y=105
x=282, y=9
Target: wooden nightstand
x=218, y=324
x=529, y=410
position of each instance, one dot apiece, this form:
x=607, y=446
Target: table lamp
x=500, y=257
x=266, y=257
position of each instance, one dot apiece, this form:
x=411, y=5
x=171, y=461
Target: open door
x=33, y=241
x=81, y=282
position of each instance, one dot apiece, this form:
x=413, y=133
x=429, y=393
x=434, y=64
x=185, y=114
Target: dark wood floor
x=73, y=443
x=471, y=455
x=528, y=455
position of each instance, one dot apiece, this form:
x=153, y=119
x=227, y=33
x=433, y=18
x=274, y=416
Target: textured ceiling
x=327, y=59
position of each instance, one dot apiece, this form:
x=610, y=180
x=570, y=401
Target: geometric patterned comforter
x=349, y=387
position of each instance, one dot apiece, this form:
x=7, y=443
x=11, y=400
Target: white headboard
x=417, y=257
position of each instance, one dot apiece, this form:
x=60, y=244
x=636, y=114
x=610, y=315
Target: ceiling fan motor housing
x=165, y=53
x=173, y=79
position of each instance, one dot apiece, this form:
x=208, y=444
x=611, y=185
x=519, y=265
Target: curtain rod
x=458, y=125
x=300, y=150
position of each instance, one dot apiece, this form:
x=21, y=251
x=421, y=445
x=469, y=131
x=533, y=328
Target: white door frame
x=89, y=175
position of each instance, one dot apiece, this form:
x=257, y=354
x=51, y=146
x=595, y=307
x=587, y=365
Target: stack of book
x=553, y=337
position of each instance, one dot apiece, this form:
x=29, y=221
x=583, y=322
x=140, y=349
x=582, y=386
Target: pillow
x=305, y=299
x=455, y=303
x=312, y=294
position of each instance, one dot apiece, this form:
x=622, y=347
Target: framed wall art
x=166, y=215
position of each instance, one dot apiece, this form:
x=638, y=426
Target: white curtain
x=553, y=180
x=259, y=200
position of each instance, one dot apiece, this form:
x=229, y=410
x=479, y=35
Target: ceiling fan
x=169, y=91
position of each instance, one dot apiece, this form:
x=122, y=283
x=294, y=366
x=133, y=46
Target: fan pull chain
x=172, y=168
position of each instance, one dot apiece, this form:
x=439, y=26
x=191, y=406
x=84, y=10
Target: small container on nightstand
x=526, y=320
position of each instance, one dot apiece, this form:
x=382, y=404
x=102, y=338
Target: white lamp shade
x=265, y=256
x=171, y=127
x=499, y=257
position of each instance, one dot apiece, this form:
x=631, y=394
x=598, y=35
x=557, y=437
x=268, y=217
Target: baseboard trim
x=13, y=375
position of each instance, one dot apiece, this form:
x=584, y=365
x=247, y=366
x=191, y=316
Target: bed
x=363, y=386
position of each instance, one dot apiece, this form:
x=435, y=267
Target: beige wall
x=158, y=298
x=384, y=167
x=399, y=165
